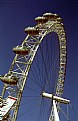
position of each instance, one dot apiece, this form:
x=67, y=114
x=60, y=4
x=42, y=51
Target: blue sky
x=16, y=15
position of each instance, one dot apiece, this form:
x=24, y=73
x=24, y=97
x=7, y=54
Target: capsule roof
x=41, y=20
x=32, y=31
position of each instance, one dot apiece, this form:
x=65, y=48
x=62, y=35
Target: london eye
x=35, y=80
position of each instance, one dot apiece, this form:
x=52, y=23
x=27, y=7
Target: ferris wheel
x=37, y=72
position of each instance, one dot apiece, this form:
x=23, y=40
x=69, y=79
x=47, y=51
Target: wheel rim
x=40, y=80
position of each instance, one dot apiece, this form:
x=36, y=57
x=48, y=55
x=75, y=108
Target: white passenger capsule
x=59, y=19
x=50, y=16
x=41, y=20
x=32, y=31
x=21, y=50
x=9, y=79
